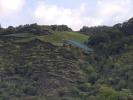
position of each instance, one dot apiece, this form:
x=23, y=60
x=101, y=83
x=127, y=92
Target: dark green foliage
x=34, y=29
x=60, y=28
x=127, y=27
x=94, y=30
x=113, y=62
x=28, y=28
x=110, y=42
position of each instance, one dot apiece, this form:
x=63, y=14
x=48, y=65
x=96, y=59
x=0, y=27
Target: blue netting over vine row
x=79, y=45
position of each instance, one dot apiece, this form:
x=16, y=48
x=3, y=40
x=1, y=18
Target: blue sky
x=74, y=13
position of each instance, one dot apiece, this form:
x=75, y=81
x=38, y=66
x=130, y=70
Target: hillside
x=114, y=57
x=37, y=70
x=56, y=38
x=35, y=64
x=33, y=67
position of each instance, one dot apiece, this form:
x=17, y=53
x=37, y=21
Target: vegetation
x=34, y=29
x=57, y=38
x=113, y=59
x=94, y=30
x=60, y=37
x=34, y=67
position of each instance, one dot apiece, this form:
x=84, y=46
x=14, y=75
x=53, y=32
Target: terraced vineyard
x=37, y=69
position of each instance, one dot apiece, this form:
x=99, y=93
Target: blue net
x=79, y=45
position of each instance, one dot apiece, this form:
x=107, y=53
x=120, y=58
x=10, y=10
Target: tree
x=10, y=30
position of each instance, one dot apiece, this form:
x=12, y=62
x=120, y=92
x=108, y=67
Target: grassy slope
x=59, y=37
x=21, y=35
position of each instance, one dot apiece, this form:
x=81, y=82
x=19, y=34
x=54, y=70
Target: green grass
x=21, y=35
x=59, y=37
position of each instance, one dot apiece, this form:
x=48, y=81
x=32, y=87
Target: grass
x=59, y=37
x=21, y=35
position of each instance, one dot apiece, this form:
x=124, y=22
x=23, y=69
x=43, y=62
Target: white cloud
x=104, y=12
x=52, y=14
x=10, y=6
x=114, y=11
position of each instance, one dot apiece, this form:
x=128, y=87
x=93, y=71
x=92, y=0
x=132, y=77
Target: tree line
x=33, y=28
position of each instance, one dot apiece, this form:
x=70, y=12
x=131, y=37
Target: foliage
x=34, y=67
x=58, y=38
x=34, y=29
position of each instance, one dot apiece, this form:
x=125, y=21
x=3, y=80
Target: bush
x=85, y=87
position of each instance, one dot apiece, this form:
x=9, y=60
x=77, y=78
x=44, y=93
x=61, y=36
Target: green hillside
x=35, y=66
x=60, y=37
x=57, y=38
x=21, y=35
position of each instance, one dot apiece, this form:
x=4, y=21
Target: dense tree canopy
x=94, y=30
x=113, y=40
x=113, y=61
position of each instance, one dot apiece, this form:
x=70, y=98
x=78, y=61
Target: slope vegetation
x=57, y=38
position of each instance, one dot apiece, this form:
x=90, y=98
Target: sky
x=74, y=13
